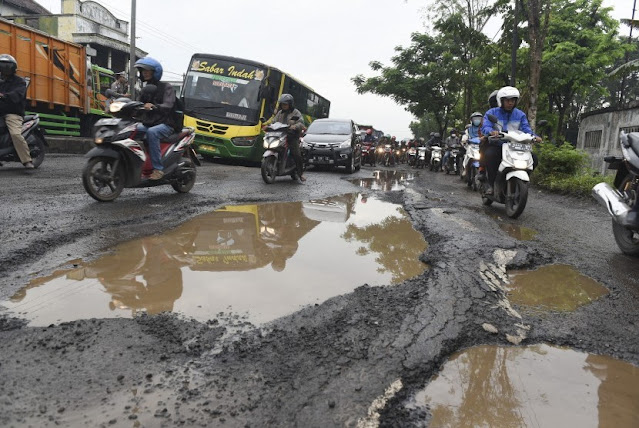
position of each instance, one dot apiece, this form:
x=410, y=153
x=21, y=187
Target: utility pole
x=513, y=54
x=132, y=70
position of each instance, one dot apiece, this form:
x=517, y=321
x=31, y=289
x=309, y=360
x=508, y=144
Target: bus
x=224, y=99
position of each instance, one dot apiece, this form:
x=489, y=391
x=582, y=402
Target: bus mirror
x=264, y=92
x=262, y=119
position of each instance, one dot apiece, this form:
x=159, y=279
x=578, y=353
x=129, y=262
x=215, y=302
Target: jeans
x=445, y=158
x=153, y=136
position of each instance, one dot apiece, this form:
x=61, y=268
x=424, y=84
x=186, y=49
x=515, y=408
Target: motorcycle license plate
x=520, y=147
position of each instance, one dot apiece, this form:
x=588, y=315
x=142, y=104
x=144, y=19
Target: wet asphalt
x=354, y=360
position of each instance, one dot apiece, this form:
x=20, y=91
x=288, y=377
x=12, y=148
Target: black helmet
x=287, y=99
x=8, y=64
x=492, y=99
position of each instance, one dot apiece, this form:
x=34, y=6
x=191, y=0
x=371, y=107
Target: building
x=83, y=22
x=599, y=133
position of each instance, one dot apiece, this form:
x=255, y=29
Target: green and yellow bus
x=224, y=99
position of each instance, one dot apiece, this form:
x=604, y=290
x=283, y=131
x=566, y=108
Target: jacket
x=452, y=142
x=285, y=117
x=14, y=91
x=164, y=112
x=513, y=120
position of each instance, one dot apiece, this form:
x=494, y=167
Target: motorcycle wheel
x=516, y=199
x=101, y=181
x=37, y=152
x=186, y=179
x=473, y=178
x=269, y=169
x=627, y=240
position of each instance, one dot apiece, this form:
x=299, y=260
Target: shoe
x=29, y=165
x=302, y=178
x=156, y=174
x=488, y=190
x=481, y=176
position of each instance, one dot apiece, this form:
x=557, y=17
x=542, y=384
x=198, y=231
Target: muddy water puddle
x=553, y=287
x=386, y=180
x=534, y=386
x=518, y=232
x=259, y=262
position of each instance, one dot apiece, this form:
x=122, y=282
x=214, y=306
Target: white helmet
x=507, y=92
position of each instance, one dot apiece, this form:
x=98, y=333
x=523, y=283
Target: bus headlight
x=243, y=141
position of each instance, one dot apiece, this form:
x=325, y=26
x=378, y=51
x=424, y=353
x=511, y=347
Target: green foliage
x=563, y=169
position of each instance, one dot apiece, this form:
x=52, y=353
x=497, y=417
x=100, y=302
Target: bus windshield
x=227, y=92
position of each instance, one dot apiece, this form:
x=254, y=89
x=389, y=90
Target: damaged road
x=353, y=360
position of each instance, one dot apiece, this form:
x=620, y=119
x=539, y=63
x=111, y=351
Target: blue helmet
x=148, y=63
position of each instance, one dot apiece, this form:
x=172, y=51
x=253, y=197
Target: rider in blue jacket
x=510, y=118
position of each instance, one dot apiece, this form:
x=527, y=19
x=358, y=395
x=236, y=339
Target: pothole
x=553, y=287
x=259, y=262
x=534, y=386
x=518, y=232
x=385, y=180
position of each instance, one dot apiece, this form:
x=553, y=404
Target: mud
x=531, y=386
x=519, y=232
x=386, y=180
x=554, y=287
x=356, y=359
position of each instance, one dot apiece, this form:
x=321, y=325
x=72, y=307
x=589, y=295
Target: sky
x=323, y=43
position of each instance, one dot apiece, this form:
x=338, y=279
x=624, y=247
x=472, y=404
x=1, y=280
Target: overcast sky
x=324, y=43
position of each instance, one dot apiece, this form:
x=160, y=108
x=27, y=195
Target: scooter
x=277, y=159
x=623, y=197
x=420, y=158
x=368, y=154
x=35, y=140
x=389, y=157
x=435, y=158
x=412, y=156
x=121, y=159
x=452, y=163
x=470, y=163
x=511, y=183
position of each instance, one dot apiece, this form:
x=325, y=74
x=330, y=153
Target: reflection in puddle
x=535, y=386
x=266, y=260
x=519, y=232
x=385, y=180
x=553, y=287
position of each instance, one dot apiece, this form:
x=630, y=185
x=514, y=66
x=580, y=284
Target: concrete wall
x=610, y=123
x=10, y=10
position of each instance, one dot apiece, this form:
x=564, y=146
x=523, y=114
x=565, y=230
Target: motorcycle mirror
x=295, y=118
x=492, y=118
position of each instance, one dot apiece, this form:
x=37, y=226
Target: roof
x=607, y=110
x=29, y=6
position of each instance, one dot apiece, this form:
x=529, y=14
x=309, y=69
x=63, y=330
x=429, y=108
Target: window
x=593, y=139
x=629, y=129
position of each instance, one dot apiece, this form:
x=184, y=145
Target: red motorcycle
x=368, y=154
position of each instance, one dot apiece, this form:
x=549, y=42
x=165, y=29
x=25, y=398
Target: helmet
x=476, y=114
x=492, y=99
x=393, y=138
x=387, y=135
x=369, y=131
x=431, y=135
x=8, y=64
x=148, y=63
x=436, y=135
x=453, y=131
x=287, y=99
x=507, y=92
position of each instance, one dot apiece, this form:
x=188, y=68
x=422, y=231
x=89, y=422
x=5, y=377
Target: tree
x=538, y=21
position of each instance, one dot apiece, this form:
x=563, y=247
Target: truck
x=66, y=90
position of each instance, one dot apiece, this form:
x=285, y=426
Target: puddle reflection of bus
x=225, y=97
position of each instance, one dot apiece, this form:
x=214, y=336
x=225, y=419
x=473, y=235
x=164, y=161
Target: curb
x=73, y=145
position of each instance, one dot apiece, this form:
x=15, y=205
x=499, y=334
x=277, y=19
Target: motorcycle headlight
x=116, y=106
x=521, y=164
x=274, y=143
x=346, y=144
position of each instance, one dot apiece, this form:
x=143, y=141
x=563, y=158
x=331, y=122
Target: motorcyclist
x=160, y=120
x=473, y=130
x=452, y=142
x=13, y=92
x=483, y=140
x=285, y=114
x=510, y=118
x=369, y=138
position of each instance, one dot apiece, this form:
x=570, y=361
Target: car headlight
x=346, y=144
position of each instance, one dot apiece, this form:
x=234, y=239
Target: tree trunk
x=537, y=31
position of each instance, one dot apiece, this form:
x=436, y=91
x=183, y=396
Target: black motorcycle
x=277, y=159
x=621, y=199
x=32, y=133
x=121, y=157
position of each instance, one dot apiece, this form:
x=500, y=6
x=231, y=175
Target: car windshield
x=326, y=127
x=223, y=90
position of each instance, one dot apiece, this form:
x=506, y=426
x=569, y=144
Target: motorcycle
x=623, y=197
x=435, y=158
x=401, y=155
x=389, y=156
x=470, y=163
x=35, y=140
x=368, y=154
x=277, y=159
x=412, y=156
x=452, y=164
x=511, y=183
x=420, y=159
x=121, y=157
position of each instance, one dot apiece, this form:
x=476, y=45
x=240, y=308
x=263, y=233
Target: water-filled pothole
x=519, y=232
x=386, y=180
x=263, y=261
x=534, y=386
x=553, y=287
